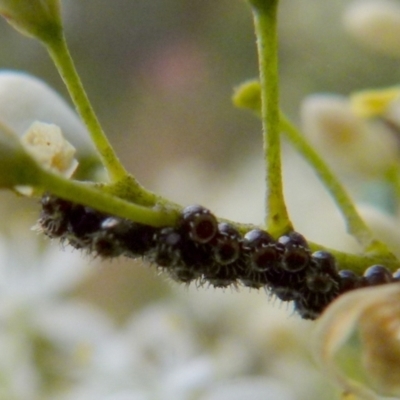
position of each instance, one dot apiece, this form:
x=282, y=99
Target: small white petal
x=46, y=144
x=375, y=24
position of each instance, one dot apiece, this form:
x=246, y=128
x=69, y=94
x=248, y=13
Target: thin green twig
x=355, y=224
x=89, y=195
x=265, y=21
x=59, y=52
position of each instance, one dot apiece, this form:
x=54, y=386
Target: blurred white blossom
x=170, y=350
x=35, y=315
x=368, y=319
x=375, y=24
x=348, y=142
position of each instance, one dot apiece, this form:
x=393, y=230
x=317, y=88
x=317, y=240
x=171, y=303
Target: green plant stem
x=265, y=21
x=358, y=263
x=59, y=52
x=355, y=224
x=91, y=196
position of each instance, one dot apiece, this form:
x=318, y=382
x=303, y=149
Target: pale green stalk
x=265, y=21
x=91, y=196
x=59, y=52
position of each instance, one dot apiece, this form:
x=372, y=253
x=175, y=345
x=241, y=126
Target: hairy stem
x=59, y=52
x=265, y=21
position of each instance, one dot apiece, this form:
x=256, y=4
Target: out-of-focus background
x=160, y=75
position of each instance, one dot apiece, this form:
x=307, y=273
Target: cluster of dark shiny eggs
x=201, y=249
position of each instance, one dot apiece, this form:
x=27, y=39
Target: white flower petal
x=73, y=323
x=35, y=273
x=375, y=24
x=346, y=141
x=46, y=144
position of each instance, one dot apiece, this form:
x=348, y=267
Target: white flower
x=29, y=274
x=346, y=141
x=204, y=344
x=375, y=24
x=36, y=316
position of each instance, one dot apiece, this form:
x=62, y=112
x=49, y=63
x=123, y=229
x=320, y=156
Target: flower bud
x=38, y=18
x=375, y=24
x=248, y=95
